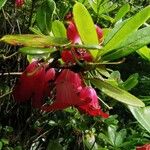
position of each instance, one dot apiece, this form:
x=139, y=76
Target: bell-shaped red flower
x=19, y=3
x=92, y=108
x=99, y=33
x=68, y=86
x=34, y=86
x=72, y=33
x=144, y=147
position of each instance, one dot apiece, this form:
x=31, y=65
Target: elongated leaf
x=142, y=115
x=58, y=29
x=117, y=93
x=144, y=52
x=85, y=25
x=122, y=12
x=134, y=42
x=35, y=51
x=120, y=136
x=124, y=29
x=44, y=16
x=31, y=40
x=131, y=82
x=102, y=6
x=112, y=133
x=2, y=3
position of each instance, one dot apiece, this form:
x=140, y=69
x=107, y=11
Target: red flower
x=73, y=34
x=92, y=108
x=99, y=33
x=144, y=147
x=34, y=87
x=74, y=37
x=68, y=86
x=19, y=3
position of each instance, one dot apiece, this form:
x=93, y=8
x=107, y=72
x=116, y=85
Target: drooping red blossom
x=19, y=3
x=68, y=86
x=92, y=108
x=72, y=33
x=34, y=86
x=144, y=147
x=79, y=54
x=24, y=88
x=99, y=33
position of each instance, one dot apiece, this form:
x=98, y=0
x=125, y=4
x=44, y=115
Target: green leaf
x=120, y=136
x=131, y=82
x=144, y=52
x=124, y=29
x=102, y=6
x=1, y=145
x=134, y=42
x=58, y=29
x=112, y=134
x=142, y=115
x=117, y=93
x=122, y=12
x=35, y=51
x=31, y=40
x=54, y=145
x=44, y=16
x=85, y=26
x=2, y=3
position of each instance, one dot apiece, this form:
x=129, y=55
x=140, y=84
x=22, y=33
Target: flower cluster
x=63, y=86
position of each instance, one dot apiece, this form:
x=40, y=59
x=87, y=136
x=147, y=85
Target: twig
x=8, y=57
x=5, y=94
x=11, y=73
x=105, y=104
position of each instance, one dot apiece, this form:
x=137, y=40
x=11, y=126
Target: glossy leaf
x=120, y=136
x=122, y=12
x=142, y=115
x=58, y=29
x=112, y=133
x=85, y=26
x=2, y=3
x=144, y=52
x=134, y=42
x=102, y=6
x=131, y=82
x=44, y=16
x=35, y=51
x=31, y=40
x=117, y=93
x=122, y=30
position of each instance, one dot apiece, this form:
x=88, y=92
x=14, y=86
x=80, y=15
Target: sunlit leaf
x=142, y=115
x=58, y=29
x=131, y=82
x=35, y=51
x=124, y=29
x=117, y=93
x=31, y=40
x=134, y=42
x=85, y=26
x=144, y=52
x=2, y=3
x=122, y=12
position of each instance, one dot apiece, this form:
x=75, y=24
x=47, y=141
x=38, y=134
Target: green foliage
x=117, y=93
x=2, y=3
x=24, y=128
